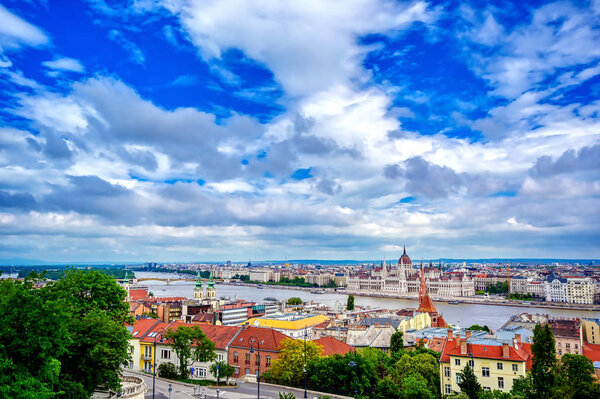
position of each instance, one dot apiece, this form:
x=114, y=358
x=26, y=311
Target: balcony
x=147, y=356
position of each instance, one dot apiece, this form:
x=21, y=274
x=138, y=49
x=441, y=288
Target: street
x=244, y=390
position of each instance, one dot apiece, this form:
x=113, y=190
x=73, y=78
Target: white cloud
x=65, y=64
x=15, y=31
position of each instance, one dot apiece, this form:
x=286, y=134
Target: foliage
x=477, y=327
x=330, y=284
x=396, y=343
x=333, y=374
x=288, y=368
x=72, y=341
x=468, y=382
x=286, y=395
x=520, y=297
x=350, y=302
x=242, y=277
x=190, y=344
x=543, y=370
x=294, y=301
x=423, y=369
x=167, y=370
x=577, y=375
x=500, y=287
x=295, y=282
x=225, y=371
x=56, y=274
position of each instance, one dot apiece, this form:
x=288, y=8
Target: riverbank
x=450, y=301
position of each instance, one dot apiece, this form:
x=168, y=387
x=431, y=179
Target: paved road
x=244, y=390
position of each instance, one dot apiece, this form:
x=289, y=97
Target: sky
x=188, y=130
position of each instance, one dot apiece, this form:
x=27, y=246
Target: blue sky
x=172, y=130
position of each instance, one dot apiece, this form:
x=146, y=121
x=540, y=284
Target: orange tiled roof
x=269, y=339
x=137, y=294
x=592, y=352
x=521, y=353
x=332, y=346
x=142, y=326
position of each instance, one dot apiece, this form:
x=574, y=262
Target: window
x=148, y=367
x=448, y=389
x=559, y=344
x=200, y=372
x=247, y=371
x=130, y=364
x=165, y=354
x=446, y=371
x=457, y=362
x=220, y=357
x=501, y=382
x=472, y=363
x=576, y=347
x=499, y=366
x=131, y=349
x=256, y=359
x=268, y=361
x=559, y=352
x=236, y=371
x=515, y=367
x=458, y=379
x=485, y=371
x=568, y=345
x=486, y=389
x=247, y=359
x=235, y=357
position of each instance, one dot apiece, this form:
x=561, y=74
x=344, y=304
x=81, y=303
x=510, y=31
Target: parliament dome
x=404, y=259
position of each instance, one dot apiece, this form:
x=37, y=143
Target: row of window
x=448, y=387
x=236, y=359
x=499, y=366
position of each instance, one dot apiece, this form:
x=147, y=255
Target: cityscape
x=278, y=199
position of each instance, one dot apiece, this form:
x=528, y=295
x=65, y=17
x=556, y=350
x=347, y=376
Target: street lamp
x=253, y=340
x=305, y=371
x=154, y=363
x=353, y=364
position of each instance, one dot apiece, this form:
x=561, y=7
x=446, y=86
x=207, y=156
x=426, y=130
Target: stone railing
x=133, y=387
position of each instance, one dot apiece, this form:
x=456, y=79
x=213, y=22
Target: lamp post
x=353, y=364
x=305, y=371
x=253, y=340
x=154, y=363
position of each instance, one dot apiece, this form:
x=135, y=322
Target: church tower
x=426, y=304
x=211, y=291
x=198, y=290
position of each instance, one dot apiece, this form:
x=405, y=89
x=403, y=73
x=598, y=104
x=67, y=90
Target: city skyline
x=148, y=130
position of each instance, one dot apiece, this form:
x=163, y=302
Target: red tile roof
x=332, y=346
x=518, y=353
x=142, y=326
x=592, y=352
x=268, y=338
x=436, y=344
x=220, y=335
x=137, y=294
x=157, y=328
x=323, y=325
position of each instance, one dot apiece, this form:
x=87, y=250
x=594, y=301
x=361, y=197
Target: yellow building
x=591, y=331
x=291, y=324
x=496, y=364
x=418, y=322
x=141, y=343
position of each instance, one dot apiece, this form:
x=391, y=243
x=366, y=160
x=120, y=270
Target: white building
x=578, y=290
x=404, y=279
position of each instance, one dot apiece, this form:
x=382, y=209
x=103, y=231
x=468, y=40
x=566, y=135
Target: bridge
x=164, y=280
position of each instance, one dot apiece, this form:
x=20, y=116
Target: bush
x=167, y=370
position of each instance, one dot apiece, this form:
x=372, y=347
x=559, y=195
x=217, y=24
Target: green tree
x=99, y=340
x=422, y=367
x=350, y=302
x=190, y=344
x=415, y=386
x=294, y=301
x=388, y=389
x=225, y=371
x=468, y=382
x=477, y=327
x=543, y=370
x=289, y=366
x=167, y=370
x=333, y=374
x=577, y=375
x=396, y=343
x=379, y=360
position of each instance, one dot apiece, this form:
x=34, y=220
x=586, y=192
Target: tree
x=577, y=375
x=543, y=369
x=387, y=389
x=350, y=303
x=167, y=370
x=190, y=344
x=415, y=386
x=99, y=340
x=421, y=367
x=396, y=343
x=333, y=374
x=468, y=382
x=477, y=327
x=225, y=371
x=288, y=369
x=294, y=301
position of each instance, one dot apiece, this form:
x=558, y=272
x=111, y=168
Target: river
x=494, y=316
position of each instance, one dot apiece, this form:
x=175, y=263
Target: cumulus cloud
x=585, y=159
x=64, y=64
x=15, y=31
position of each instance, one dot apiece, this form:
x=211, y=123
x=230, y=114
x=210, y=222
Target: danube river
x=464, y=315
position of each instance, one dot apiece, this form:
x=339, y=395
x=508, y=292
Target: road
x=244, y=390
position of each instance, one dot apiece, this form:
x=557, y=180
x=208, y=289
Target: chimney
x=518, y=338
x=463, y=348
x=505, y=350
x=468, y=334
x=450, y=334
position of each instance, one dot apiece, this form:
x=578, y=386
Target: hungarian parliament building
x=404, y=280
